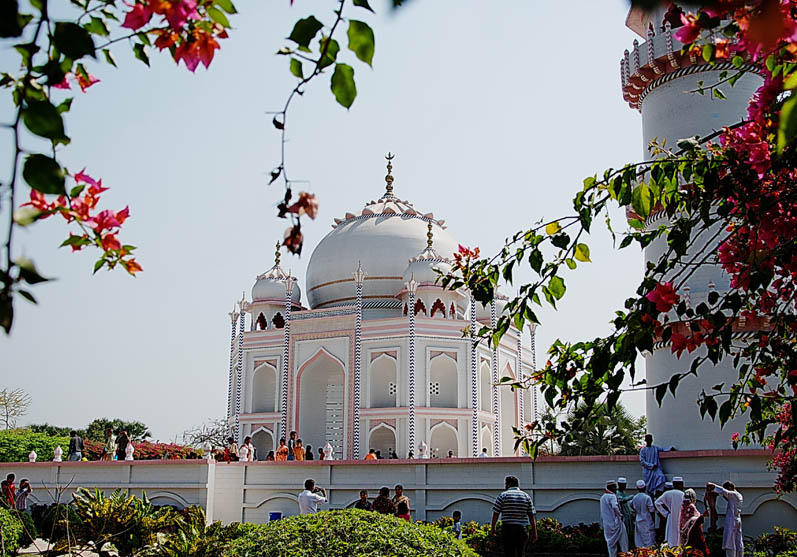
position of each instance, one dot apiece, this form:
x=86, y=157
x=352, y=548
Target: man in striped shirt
x=517, y=513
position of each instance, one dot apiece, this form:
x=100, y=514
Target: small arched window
x=452, y=311
x=438, y=306
x=405, y=309
x=278, y=321
x=262, y=324
x=420, y=307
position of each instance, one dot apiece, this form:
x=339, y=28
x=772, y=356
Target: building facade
x=380, y=359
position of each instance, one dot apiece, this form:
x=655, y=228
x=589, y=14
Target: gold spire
x=277, y=256
x=389, y=177
x=429, y=235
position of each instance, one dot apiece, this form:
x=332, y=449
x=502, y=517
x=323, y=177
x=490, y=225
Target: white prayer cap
x=640, y=484
x=678, y=479
x=667, y=485
x=610, y=482
x=622, y=480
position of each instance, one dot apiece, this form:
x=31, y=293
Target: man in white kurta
x=669, y=505
x=732, y=541
x=612, y=521
x=644, y=526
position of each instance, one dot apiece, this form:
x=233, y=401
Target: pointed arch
x=443, y=382
x=452, y=311
x=508, y=411
x=443, y=438
x=406, y=311
x=420, y=306
x=382, y=382
x=263, y=441
x=382, y=438
x=438, y=306
x=262, y=323
x=278, y=321
x=486, y=439
x=319, y=401
x=264, y=388
x=485, y=387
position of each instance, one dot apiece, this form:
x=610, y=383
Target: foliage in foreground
x=10, y=531
x=349, y=532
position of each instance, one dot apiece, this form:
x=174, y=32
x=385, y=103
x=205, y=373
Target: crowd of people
x=630, y=519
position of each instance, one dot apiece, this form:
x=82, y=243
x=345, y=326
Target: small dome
x=426, y=267
x=271, y=284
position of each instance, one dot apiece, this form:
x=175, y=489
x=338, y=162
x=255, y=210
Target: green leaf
x=98, y=264
x=582, y=253
x=44, y=174
x=553, y=228
x=218, y=16
x=226, y=5
x=28, y=272
x=25, y=216
x=109, y=57
x=44, y=120
x=640, y=200
x=363, y=4
x=11, y=21
x=738, y=62
x=304, y=31
x=557, y=287
x=331, y=54
x=788, y=123
x=97, y=26
x=64, y=106
x=27, y=295
x=791, y=81
x=140, y=52
x=342, y=85
x=72, y=40
x=708, y=52
x=296, y=68
x=361, y=40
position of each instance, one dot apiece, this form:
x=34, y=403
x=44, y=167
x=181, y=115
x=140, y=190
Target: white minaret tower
x=657, y=80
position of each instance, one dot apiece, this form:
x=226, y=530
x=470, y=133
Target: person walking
x=612, y=521
x=651, y=467
x=122, y=440
x=732, y=541
x=21, y=498
x=110, y=445
x=690, y=524
x=383, y=504
x=516, y=510
x=282, y=451
x=644, y=523
x=669, y=505
x=624, y=498
x=75, y=446
x=311, y=497
x=363, y=503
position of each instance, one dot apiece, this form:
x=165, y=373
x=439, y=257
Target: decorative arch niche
x=443, y=391
x=264, y=389
x=382, y=382
x=382, y=438
x=278, y=321
x=485, y=388
x=508, y=408
x=263, y=441
x=320, y=396
x=438, y=307
x=420, y=307
x=444, y=438
x=262, y=323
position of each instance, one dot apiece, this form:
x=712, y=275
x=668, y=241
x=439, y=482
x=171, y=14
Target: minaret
x=359, y=278
x=659, y=81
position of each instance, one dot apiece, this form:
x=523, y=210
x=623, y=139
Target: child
x=457, y=527
x=22, y=495
x=298, y=450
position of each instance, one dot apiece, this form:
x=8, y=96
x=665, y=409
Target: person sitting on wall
x=298, y=450
x=308, y=453
x=651, y=467
x=371, y=455
x=270, y=456
x=282, y=451
x=291, y=445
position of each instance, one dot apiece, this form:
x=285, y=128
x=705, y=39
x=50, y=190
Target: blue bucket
x=274, y=516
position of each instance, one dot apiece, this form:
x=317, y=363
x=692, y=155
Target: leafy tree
x=54, y=430
x=16, y=445
x=137, y=431
x=611, y=431
x=14, y=404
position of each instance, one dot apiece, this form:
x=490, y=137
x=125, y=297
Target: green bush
x=10, y=531
x=344, y=533
x=29, y=531
x=16, y=444
x=56, y=521
x=780, y=542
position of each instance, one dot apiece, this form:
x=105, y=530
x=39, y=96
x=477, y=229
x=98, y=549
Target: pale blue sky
x=496, y=116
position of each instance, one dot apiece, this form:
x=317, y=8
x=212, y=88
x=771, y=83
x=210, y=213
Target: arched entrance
x=382, y=438
x=486, y=440
x=320, y=410
x=444, y=439
x=263, y=442
x=264, y=389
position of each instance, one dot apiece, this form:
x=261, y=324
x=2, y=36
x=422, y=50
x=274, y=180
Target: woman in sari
x=691, y=527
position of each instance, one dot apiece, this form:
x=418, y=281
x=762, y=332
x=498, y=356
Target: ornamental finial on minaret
x=277, y=256
x=389, y=177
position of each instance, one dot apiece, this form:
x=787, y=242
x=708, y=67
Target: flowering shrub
x=733, y=192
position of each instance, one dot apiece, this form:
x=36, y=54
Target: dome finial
x=277, y=256
x=429, y=235
x=389, y=177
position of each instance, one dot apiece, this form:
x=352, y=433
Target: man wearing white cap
x=732, y=541
x=624, y=498
x=669, y=505
x=612, y=521
x=644, y=525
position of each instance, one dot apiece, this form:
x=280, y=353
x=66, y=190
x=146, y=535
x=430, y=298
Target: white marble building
x=379, y=359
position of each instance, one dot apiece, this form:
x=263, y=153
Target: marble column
x=412, y=288
x=359, y=278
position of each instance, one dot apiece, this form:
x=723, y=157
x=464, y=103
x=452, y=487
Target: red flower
x=690, y=30
x=86, y=82
x=306, y=205
x=663, y=296
x=138, y=17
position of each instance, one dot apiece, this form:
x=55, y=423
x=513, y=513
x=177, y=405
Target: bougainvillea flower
x=166, y=38
x=104, y=220
x=110, y=242
x=179, y=12
x=138, y=17
x=85, y=82
x=689, y=31
x=64, y=83
x=83, y=178
x=663, y=296
x=131, y=265
x=306, y=205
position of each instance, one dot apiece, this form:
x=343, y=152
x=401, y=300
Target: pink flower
x=180, y=12
x=104, y=220
x=735, y=437
x=690, y=30
x=64, y=84
x=83, y=178
x=663, y=296
x=138, y=17
x=85, y=83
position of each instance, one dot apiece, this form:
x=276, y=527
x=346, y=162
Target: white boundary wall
x=567, y=488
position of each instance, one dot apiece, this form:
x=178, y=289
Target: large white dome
x=382, y=238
